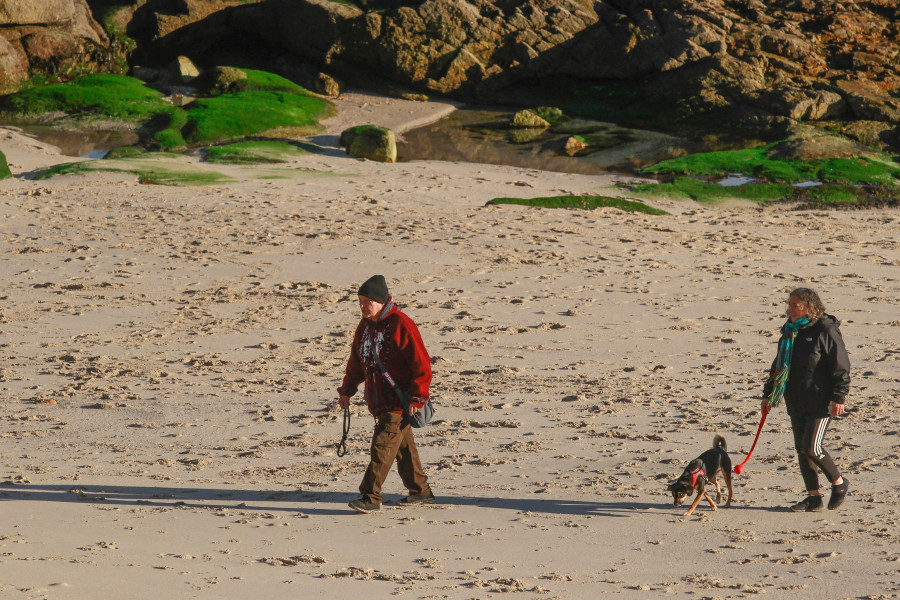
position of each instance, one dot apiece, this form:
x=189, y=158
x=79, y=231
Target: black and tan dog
x=702, y=471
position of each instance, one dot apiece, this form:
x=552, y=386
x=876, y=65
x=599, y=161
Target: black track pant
x=808, y=434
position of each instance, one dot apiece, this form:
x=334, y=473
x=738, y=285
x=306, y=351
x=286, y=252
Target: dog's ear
x=671, y=486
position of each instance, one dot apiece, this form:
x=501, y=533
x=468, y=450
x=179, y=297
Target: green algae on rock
x=4, y=167
x=256, y=152
x=371, y=142
x=813, y=172
x=146, y=169
x=261, y=103
x=581, y=202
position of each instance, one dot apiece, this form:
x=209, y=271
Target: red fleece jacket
x=396, y=339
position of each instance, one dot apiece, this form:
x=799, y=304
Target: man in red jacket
x=392, y=336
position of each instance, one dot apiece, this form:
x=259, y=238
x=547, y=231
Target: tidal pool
x=481, y=135
x=84, y=143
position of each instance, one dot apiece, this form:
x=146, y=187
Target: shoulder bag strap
x=400, y=393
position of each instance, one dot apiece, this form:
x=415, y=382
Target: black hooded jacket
x=820, y=369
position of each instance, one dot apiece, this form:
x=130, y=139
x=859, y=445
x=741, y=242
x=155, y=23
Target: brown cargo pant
x=393, y=438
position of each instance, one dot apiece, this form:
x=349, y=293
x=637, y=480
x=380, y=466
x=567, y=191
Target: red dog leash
x=740, y=467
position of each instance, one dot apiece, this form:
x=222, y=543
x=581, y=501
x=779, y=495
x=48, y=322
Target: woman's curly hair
x=814, y=305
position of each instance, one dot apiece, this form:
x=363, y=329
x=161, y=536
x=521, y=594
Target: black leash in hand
x=342, y=445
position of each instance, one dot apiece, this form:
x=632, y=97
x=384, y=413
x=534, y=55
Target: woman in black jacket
x=812, y=373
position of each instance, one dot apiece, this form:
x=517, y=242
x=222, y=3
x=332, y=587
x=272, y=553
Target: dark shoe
x=364, y=505
x=417, y=499
x=809, y=504
x=838, y=493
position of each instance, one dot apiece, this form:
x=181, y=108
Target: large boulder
x=222, y=79
x=868, y=100
x=527, y=118
x=19, y=18
x=810, y=144
x=165, y=30
x=13, y=66
x=322, y=23
x=216, y=31
x=371, y=142
x=46, y=11
x=799, y=104
x=48, y=44
x=458, y=46
x=48, y=37
x=874, y=134
x=183, y=70
x=327, y=85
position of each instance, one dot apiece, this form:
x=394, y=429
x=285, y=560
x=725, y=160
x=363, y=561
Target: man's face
x=369, y=308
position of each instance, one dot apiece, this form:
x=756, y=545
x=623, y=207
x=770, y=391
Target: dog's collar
x=695, y=475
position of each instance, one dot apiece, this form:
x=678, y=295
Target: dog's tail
x=719, y=441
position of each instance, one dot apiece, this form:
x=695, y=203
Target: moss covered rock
x=814, y=145
x=527, y=118
x=371, y=142
x=4, y=167
x=581, y=202
x=219, y=80
x=256, y=152
x=551, y=114
x=266, y=103
x=575, y=144
x=327, y=85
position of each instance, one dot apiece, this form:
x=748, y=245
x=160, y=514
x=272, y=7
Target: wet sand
x=170, y=354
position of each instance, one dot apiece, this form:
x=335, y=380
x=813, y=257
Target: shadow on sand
x=308, y=502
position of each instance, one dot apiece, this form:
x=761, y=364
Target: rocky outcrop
x=13, y=65
x=526, y=118
x=151, y=23
x=808, y=144
x=327, y=85
x=755, y=61
x=788, y=59
x=182, y=70
x=868, y=101
x=370, y=142
x=49, y=37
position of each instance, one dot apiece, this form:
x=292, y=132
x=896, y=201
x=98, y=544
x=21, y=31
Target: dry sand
x=170, y=354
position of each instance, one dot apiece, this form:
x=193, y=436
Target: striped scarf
x=783, y=360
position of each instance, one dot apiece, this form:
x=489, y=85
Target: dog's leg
x=695, y=503
x=730, y=491
x=711, y=503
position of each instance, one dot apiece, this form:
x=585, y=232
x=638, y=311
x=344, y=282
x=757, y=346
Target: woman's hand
x=835, y=409
x=343, y=401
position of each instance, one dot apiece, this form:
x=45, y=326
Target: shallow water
x=479, y=135
x=85, y=144
x=737, y=180
x=806, y=184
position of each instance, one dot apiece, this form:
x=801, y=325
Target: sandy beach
x=169, y=358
